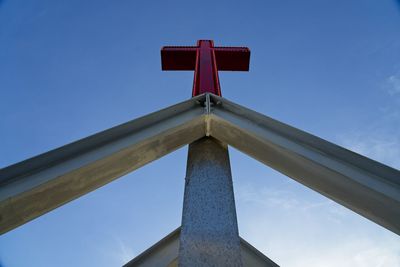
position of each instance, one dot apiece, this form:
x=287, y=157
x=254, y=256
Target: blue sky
x=69, y=69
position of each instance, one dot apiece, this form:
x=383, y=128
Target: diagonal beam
x=166, y=253
x=35, y=186
x=363, y=185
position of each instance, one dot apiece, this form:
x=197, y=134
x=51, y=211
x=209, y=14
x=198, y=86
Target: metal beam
x=363, y=185
x=40, y=184
x=166, y=253
x=35, y=186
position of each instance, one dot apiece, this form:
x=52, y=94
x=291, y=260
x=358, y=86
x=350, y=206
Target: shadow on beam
x=35, y=186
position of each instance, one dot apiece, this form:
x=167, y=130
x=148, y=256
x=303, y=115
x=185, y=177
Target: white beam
x=40, y=184
x=360, y=184
x=35, y=186
x=166, y=253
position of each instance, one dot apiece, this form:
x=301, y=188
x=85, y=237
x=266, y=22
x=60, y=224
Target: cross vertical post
x=209, y=234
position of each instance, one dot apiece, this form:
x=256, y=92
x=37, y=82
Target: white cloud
x=393, y=83
x=352, y=253
x=123, y=252
x=383, y=147
x=296, y=232
x=296, y=227
x=380, y=138
x=267, y=197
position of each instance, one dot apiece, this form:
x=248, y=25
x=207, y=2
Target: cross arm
x=178, y=57
x=232, y=58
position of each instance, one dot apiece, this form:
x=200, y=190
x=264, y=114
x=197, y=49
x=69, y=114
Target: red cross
x=206, y=60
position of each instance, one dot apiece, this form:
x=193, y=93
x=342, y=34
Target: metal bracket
x=207, y=120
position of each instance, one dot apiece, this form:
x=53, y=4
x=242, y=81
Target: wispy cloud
x=352, y=252
x=277, y=198
x=393, y=84
x=381, y=146
x=380, y=138
x=297, y=232
x=297, y=228
x=123, y=252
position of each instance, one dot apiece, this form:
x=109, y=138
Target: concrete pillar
x=209, y=235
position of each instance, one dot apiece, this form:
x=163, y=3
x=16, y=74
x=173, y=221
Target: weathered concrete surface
x=165, y=254
x=209, y=235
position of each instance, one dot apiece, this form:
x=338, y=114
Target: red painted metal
x=206, y=60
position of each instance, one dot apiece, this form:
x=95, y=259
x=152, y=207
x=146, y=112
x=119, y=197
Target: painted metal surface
x=164, y=253
x=209, y=235
x=363, y=185
x=35, y=186
x=205, y=60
